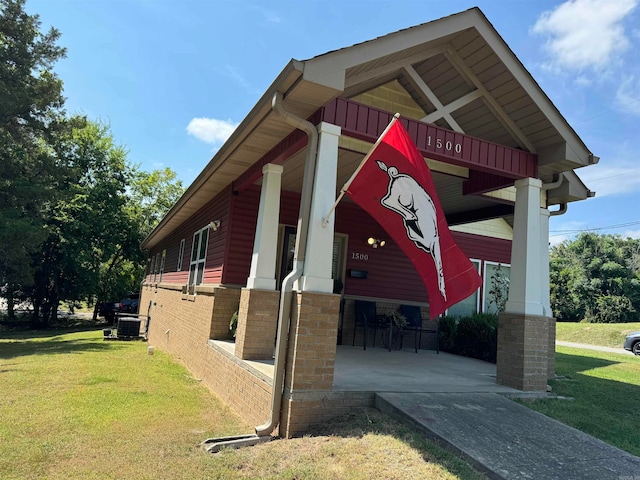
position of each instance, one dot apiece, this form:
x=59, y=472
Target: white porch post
x=544, y=263
x=263, y=262
x=316, y=276
x=525, y=296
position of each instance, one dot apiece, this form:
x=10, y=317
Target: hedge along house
x=251, y=224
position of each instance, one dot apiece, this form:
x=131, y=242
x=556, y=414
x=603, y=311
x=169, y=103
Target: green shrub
x=475, y=336
x=448, y=326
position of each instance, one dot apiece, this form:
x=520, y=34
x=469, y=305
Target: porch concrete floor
x=380, y=370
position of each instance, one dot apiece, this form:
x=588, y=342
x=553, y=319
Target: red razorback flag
x=394, y=185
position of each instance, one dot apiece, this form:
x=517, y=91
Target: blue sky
x=173, y=78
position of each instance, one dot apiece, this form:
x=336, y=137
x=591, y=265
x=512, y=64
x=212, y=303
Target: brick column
x=523, y=351
x=257, y=323
x=310, y=358
x=523, y=329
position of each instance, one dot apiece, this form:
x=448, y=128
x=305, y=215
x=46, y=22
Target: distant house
x=500, y=152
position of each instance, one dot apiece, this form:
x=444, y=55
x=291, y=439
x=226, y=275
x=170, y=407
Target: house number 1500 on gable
x=359, y=256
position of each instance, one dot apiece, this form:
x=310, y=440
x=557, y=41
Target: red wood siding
x=390, y=273
x=368, y=123
x=216, y=209
x=484, y=248
x=243, y=219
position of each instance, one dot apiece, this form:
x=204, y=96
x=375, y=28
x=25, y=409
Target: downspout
x=551, y=186
x=561, y=211
x=284, y=312
x=213, y=445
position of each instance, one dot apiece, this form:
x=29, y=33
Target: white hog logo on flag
x=398, y=192
x=408, y=199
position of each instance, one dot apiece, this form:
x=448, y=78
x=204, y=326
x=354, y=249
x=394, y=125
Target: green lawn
x=604, y=395
x=604, y=334
x=75, y=407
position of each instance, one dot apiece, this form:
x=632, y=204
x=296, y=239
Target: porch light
x=376, y=242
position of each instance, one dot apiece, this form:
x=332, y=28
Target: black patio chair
x=414, y=324
x=366, y=317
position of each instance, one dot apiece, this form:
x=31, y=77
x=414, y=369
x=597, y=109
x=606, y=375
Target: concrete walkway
x=506, y=440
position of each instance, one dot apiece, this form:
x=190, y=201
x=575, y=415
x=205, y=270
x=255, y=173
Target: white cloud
x=628, y=95
x=211, y=130
x=631, y=234
x=612, y=180
x=585, y=34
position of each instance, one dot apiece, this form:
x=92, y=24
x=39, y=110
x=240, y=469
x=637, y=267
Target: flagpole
x=343, y=190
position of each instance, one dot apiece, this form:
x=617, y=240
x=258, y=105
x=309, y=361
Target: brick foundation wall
x=245, y=390
x=181, y=325
x=305, y=408
x=523, y=351
x=308, y=399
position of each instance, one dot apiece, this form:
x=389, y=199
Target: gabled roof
x=458, y=70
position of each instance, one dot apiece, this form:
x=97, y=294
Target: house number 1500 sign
x=359, y=256
x=448, y=145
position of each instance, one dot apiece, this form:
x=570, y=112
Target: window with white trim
x=469, y=305
x=164, y=256
x=198, y=256
x=180, y=256
x=495, y=286
x=156, y=269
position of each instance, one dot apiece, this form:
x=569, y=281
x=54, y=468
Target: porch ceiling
x=457, y=69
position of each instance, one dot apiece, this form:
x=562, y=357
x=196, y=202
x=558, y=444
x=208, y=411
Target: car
x=130, y=303
x=108, y=310
x=632, y=343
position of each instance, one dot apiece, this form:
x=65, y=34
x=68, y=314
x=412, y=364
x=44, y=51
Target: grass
x=75, y=407
x=604, y=394
x=604, y=334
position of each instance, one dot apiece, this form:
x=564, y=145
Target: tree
x=31, y=114
x=73, y=211
x=498, y=291
x=149, y=196
x=595, y=278
x=84, y=225
x=152, y=194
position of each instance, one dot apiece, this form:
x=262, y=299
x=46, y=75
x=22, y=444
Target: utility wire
x=581, y=230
